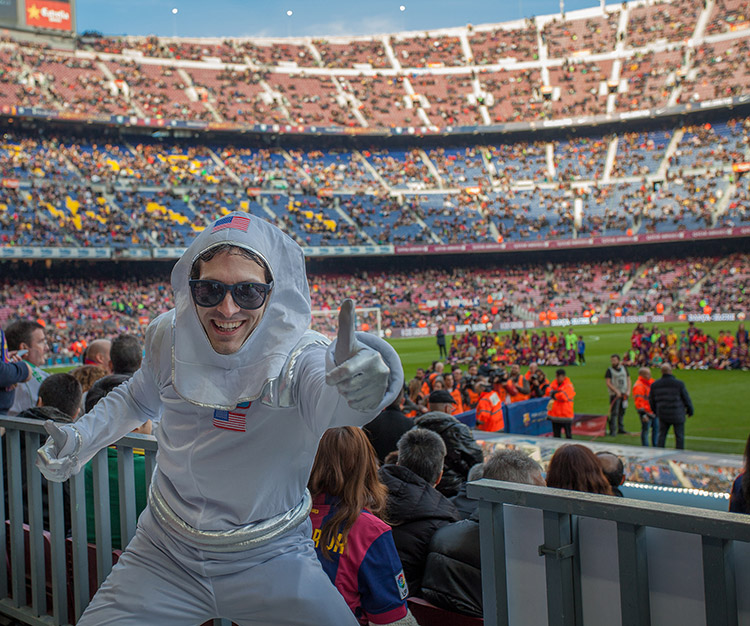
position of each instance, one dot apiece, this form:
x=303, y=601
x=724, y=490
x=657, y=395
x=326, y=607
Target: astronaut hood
x=204, y=377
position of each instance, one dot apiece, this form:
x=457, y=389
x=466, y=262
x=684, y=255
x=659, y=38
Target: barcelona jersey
x=365, y=567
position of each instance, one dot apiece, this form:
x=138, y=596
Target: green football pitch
x=722, y=418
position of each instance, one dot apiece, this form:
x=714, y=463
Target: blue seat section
x=738, y=211
x=213, y=203
x=520, y=161
x=336, y=169
x=532, y=213
x=581, y=159
x=21, y=225
x=401, y=169
x=640, y=153
x=686, y=205
x=311, y=220
x=384, y=219
x=453, y=218
x=258, y=167
x=708, y=144
x=167, y=218
x=460, y=167
x=36, y=159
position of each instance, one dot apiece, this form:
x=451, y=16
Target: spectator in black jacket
x=60, y=401
x=453, y=572
x=671, y=403
x=465, y=505
x=386, y=429
x=415, y=509
x=462, y=451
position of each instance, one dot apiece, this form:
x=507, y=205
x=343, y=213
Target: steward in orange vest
x=641, y=391
x=459, y=401
x=519, y=390
x=560, y=409
x=490, y=409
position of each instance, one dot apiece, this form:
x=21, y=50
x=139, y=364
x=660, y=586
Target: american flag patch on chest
x=234, y=419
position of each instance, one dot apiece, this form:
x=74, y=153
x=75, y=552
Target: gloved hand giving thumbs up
x=358, y=372
x=57, y=459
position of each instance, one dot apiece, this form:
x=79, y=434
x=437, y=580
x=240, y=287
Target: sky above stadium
x=269, y=18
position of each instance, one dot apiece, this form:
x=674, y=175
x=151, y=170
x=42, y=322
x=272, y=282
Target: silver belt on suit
x=236, y=539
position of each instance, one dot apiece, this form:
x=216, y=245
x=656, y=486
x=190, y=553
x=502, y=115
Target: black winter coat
x=669, y=400
x=415, y=510
x=462, y=450
x=385, y=431
x=465, y=505
x=453, y=572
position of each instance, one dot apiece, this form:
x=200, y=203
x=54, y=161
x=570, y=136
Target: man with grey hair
x=453, y=574
x=415, y=508
x=125, y=354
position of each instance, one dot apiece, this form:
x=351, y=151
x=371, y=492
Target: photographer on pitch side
x=538, y=382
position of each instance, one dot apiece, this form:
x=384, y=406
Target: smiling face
x=37, y=348
x=227, y=325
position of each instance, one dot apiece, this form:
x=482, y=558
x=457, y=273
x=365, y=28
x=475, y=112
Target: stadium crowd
x=266, y=82
x=86, y=192
x=462, y=296
x=690, y=349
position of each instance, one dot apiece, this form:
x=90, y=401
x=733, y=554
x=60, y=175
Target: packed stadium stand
x=595, y=128
x=408, y=299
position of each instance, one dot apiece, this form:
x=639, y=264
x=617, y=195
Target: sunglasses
x=208, y=293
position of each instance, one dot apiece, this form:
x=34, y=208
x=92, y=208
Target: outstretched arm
x=126, y=407
x=358, y=377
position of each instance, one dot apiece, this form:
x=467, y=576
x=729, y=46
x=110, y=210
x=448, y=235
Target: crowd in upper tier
x=623, y=58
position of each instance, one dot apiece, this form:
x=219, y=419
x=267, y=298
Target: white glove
x=358, y=372
x=57, y=459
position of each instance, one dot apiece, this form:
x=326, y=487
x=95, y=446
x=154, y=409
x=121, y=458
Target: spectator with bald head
x=613, y=469
x=98, y=353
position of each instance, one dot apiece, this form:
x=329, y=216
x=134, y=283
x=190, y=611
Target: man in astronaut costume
x=227, y=533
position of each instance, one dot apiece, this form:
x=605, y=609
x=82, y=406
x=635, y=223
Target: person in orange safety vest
x=641, y=389
x=490, y=407
x=519, y=390
x=560, y=409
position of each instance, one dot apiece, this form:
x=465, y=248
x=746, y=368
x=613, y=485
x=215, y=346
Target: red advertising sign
x=48, y=14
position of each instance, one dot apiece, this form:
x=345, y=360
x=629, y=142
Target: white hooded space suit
x=226, y=533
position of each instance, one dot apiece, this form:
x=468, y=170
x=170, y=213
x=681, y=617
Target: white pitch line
x=714, y=439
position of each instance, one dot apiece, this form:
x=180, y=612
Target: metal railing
x=51, y=576
x=608, y=560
